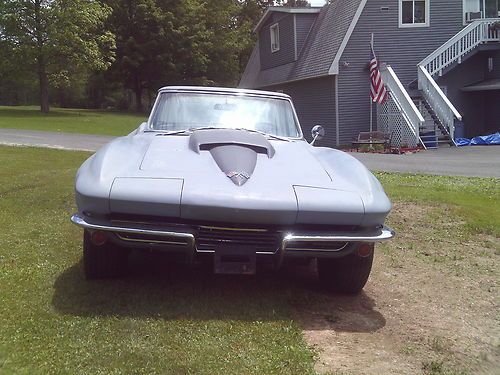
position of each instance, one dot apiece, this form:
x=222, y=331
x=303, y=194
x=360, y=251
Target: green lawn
x=160, y=319
x=52, y=321
x=473, y=200
x=69, y=120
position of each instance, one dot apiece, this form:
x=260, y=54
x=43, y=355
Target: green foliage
x=141, y=45
x=59, y=40
x=162, y=42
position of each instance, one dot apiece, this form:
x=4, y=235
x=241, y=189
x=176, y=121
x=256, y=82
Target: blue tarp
x=492, y=139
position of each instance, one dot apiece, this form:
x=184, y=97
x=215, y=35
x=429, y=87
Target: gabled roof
x=321, y=52
x=295, y=10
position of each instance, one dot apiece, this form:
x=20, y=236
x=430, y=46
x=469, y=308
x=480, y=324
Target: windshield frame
x=150, y=128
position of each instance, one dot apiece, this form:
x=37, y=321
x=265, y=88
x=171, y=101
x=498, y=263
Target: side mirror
x=317, y=132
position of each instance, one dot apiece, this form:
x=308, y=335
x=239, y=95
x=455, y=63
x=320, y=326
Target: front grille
x=264, y=241
x=151, y=238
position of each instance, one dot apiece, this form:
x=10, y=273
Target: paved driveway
x=66, y=141
x=472, y=161
x=475, y=161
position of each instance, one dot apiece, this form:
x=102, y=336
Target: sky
x=317, y=3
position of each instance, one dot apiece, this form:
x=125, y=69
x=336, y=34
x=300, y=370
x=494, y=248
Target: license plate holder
x=235, y=259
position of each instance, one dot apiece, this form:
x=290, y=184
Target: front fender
x=350, y=174
x=119, y=158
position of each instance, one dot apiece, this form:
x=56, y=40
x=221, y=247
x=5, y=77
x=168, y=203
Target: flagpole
x=371, y=101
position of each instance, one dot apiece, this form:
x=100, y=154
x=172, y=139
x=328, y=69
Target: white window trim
x=411, y=25
x=482, y=11
x=275, y=47
x=463, y=12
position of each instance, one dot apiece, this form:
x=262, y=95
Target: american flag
x=378, y=92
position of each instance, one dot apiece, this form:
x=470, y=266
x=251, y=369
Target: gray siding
x=495, y=73
x=286, y=53
x=319, y=48
x=477, y=108
x=470, y=105
x=492, y=112
x=402, y=48
x=314, y=101
x=303, y=25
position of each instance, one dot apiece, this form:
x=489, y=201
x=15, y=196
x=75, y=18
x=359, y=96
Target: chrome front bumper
x=293, y=244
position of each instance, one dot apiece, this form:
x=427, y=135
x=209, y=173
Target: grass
x=439, y=368
x=52, y=321
x=473, y=200
x=161, y=319
x=69, y=120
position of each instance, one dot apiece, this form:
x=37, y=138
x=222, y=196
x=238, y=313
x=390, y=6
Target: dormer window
x=414, y=13
x=275, y=37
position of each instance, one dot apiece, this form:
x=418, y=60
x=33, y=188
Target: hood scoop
x=234, y=151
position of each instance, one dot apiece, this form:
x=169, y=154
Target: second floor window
x=476, y=9
x=275, y=37
x=413, y=13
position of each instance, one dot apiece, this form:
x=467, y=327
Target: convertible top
x=224, y=90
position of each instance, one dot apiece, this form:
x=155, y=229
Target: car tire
x=102, y=262
x=347, y=275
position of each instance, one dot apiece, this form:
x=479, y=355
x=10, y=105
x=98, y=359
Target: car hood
x=234, y=176
x=276, y=163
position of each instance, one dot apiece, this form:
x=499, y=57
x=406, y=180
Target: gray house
x=440, y=63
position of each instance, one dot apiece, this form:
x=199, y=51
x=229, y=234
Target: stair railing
x=405, y=105
x=471, y=36
x=440, y=104
x=462, y=43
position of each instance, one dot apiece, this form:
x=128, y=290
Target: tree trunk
x=40, y=59
x=44, y=85
x=138, y=93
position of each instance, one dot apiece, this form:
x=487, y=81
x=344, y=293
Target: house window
x=275, y=37
x=414, y=13
x=476, y=9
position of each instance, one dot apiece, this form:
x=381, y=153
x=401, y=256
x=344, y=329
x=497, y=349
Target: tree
x=140, y=41
x=56, y=39
x=249, y=15
x=161, y=42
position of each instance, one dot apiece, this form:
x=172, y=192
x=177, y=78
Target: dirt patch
x=430, y=307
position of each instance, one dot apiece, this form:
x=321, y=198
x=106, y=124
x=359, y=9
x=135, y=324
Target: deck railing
x=453, y=51
x=443, y=108
x=471, y=36
x=411, y=117
x=397, y=89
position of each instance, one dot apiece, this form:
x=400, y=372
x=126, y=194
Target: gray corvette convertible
x=226, y=176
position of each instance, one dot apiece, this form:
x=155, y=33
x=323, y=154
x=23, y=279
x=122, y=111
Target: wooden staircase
x=429, y=118
x=454, y=51
x=433, y=133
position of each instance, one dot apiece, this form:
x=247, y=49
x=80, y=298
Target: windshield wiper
x=192, y=129
x=172, y=132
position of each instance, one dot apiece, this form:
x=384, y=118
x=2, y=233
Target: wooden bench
x=373, y=138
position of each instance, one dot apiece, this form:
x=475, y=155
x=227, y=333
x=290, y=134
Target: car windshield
x=188, y=111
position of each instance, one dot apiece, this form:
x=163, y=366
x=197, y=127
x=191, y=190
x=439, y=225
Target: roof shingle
x=317, y=55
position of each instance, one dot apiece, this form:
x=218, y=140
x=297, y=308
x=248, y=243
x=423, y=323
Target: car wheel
x=348, y=274
x=104, y=261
